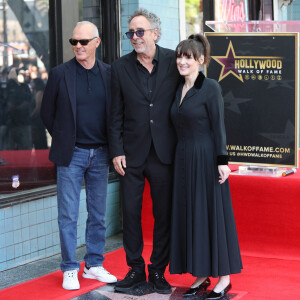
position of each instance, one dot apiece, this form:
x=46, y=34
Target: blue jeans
x=92, y=166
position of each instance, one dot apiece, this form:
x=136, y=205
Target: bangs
x=188, y=48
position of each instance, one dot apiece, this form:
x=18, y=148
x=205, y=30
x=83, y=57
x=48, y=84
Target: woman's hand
x=224, y=172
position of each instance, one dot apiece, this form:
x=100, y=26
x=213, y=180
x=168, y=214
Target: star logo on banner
x=281, y=83
x=283, y=139
x=232, y=103
x=228, y=64
x=244, y=52
x=231, y=64
x=271, y=48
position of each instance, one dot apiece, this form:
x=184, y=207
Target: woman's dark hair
x=196, y=45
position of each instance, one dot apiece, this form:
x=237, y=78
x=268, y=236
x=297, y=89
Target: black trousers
x=132, y=186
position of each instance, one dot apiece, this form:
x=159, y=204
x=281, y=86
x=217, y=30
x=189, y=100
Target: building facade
x=35, y=38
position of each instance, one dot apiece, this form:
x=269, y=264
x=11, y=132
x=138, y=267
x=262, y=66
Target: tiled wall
x=293, y=11
x=167, y=11
x=29, y=231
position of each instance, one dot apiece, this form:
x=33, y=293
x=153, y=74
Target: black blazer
x=136, y=120
x=58, y=110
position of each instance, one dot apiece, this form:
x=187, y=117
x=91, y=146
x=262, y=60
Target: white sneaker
x=99, y=273
x=71, y=280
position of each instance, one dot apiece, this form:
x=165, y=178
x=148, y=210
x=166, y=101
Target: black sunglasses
x=84, y=42
x=138, y=33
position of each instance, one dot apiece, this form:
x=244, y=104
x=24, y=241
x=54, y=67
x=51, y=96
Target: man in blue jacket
x=75, y=111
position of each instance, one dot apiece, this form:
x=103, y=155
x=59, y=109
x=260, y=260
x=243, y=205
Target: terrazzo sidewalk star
x=107, y=293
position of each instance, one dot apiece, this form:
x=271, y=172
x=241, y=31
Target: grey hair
x=153, y=19
x=95, y=29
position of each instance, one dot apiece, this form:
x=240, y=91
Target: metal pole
x=5, y=52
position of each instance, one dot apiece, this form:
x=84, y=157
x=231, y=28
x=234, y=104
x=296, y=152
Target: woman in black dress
x=204, y=240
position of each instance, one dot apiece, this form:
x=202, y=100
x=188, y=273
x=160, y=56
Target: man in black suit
x=142, y=144
x=75, y=111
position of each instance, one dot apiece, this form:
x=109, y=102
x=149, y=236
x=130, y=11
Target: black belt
x=89, y=146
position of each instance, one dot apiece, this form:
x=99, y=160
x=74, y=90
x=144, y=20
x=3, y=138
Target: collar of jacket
x=198, y=82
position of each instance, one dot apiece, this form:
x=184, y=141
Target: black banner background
x=261, y=102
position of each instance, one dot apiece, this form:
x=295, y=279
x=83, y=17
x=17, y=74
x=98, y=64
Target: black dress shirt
x=148, y=79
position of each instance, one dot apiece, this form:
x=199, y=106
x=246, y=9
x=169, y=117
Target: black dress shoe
x=159, y=284
x=131, y=281
x=213, y=295
x=197, y=290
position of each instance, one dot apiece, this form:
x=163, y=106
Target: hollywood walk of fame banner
x=258, y=74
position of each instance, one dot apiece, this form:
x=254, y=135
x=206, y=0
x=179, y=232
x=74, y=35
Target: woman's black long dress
x=204, y=240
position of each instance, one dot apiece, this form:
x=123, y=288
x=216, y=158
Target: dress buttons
x=151, y=104
x=151, y=121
